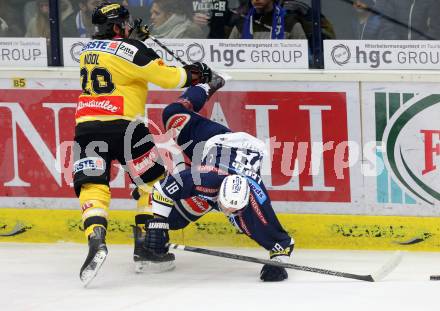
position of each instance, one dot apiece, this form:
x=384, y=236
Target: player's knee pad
x=94, y=200
x=175, y=116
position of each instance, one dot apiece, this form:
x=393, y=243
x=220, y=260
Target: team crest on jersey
x=90, y=163
x=177, y=122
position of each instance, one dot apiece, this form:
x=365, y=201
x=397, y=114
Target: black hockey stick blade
x=379, y=275
x=18, y=228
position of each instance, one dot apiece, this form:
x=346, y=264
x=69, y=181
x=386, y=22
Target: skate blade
x=92, y=269
x=153, y=267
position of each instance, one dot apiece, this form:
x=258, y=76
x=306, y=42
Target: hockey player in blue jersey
x=224, y=175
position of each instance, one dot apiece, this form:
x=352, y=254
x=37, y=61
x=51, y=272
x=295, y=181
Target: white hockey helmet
x=234, y=193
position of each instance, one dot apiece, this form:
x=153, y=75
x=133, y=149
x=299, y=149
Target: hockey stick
x=225, y=76
x=163, y=46
x=389, y=266
x=137, y=24
x=18, y=228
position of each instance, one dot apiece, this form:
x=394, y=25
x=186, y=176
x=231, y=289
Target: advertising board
x=23, y=52
x=305, y=126
x=403, y=121
x=219, y=54
x=388, y=54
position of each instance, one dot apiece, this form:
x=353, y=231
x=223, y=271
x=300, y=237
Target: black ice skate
x=96, y=256
x=139, y=235
x=139, y=255
x=151, y=251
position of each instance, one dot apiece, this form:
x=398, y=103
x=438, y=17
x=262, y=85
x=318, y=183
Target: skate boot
x=139, y=235
x=96, y=256
x=155, y=256
x=217, y=82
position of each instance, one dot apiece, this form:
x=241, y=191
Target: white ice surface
x=45, y=277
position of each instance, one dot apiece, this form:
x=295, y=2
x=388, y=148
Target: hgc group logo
x=412, y=147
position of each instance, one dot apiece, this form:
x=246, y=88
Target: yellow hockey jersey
x=115, y=76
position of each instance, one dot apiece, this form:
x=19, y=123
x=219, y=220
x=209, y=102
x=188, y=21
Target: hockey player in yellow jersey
x=115, y=71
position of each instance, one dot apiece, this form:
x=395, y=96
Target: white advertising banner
x=220, y=54
x=238, y=54
x=72, y=50
x=384, y=54
x=401, y=126
x=23, y=52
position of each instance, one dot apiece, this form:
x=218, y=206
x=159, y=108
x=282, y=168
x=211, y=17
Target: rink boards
x=309, y=230
x=374, y=185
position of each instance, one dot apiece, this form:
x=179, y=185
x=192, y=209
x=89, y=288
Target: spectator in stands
x=338, y=15
x=139, y=9
x=266, y=19
x=409, y=19
x=239, y=12
x=67, y=19
x=38, y=26
x=303, y=12
x=168, y=21
x=83, y=20
x=213, y=17
x=367, y=24
x=9, y=21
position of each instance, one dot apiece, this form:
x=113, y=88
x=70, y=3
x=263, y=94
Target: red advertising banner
x=306, y=131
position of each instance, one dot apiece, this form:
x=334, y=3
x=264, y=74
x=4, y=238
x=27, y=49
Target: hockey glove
x=273, y=274
x=141, y=32
x=135, y=194
x=198, y=73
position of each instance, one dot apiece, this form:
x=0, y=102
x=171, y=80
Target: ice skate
x=147, y=260
x=96, y=256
